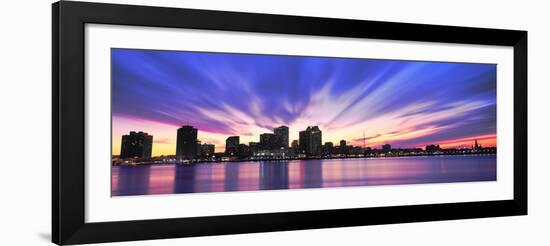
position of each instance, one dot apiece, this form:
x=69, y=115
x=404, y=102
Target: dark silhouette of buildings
x=207, y=150
x=136, y=144
x=432, y=148
x=328, y=149
x=198, y=148
x=232, y=145
x=386, y=148
x=186, y=143
x=243, y=151
x=477, y=147
x=342, y=143
x=295, y=147
x=136, y=148
x=254, y=146
x=268, y=141
x=281, y=136
x=310, y=141
x=367, y=151
x=343, y=148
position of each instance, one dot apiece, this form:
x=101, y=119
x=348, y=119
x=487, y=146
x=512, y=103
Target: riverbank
x=163, y=162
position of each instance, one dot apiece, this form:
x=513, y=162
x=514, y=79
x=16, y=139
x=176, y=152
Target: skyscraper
x=232, y=145
x=295, y=146
x=186, y=143
x=136, y=144
x=198, y=148
x=310, y=141
x=281, y=136
x=268, y=141
x=243, y=151
x=386, y=148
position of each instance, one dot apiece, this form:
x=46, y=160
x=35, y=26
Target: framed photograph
x=175, y=122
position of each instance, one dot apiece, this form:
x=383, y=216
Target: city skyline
x=138, y=144
x=360, y=100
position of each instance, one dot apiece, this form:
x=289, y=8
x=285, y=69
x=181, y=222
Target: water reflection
x=131, y=181
x=273, y=175
x=231, y=178
x=312, y=173
x=245, y=176
x=185, y=179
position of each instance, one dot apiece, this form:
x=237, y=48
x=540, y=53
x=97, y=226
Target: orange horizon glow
x=164, y=137
x=367, y=102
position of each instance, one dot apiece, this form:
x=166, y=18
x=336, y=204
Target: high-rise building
x=199, y=148
x=232, y=145
x=186, y=143
x=268, y=141
x=295, y=147
x=386, y=148
x=136, y=144
x=243, y=151
x=328, y=148
x=310, y=141
x=343, y=149
x=281, y=136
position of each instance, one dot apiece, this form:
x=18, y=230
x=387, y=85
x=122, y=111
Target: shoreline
x=160, y=163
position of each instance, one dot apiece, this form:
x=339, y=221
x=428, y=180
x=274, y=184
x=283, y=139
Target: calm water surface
x=296, y=174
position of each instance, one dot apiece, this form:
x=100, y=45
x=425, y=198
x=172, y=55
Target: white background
x=25, y=101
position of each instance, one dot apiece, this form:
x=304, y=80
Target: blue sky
x=405, y=103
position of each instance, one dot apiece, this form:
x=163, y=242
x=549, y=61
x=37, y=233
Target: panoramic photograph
x=194, y=122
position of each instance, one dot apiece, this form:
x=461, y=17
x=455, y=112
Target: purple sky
x=405, y=103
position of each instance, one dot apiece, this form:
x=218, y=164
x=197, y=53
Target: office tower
x=243, y=151
x=310, y=141
x=231, y=145
x=268, y=141
x=199, y=148
x=136, y=144
x=295, y=147
x=281, y=136
x=186, y=143
x=386, y=148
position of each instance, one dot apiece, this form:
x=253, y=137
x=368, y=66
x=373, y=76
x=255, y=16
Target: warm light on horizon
x=408, y=104
x=165, y=143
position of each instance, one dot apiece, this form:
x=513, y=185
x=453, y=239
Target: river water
x=297, y=174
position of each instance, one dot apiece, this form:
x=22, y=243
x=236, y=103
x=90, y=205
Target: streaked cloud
x=405, y=103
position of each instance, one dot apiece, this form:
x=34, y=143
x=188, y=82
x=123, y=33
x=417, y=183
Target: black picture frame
x=68, y=107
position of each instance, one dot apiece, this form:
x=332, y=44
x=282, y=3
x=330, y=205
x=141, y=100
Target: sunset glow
x=363, y=101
